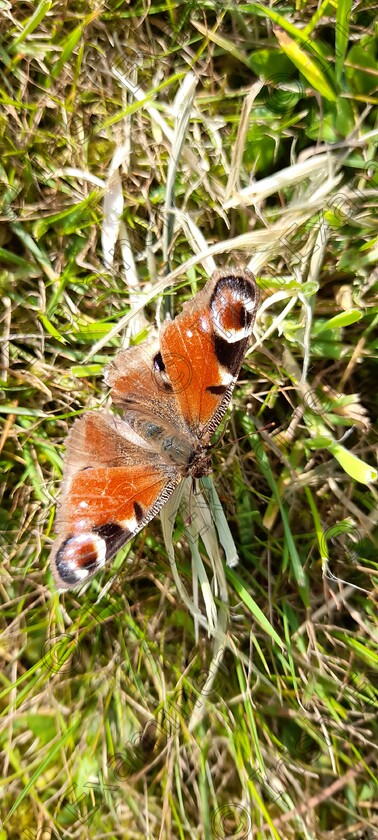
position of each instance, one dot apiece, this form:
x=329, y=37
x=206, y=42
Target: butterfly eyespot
x=180, y=372
x=80, y=556
x=232, y=308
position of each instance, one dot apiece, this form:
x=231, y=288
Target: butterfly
x=120, y=469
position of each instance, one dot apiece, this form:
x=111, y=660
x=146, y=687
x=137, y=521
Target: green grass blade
x=41, y=11
x=261, y=619
x=42, y=767
x=342, y=36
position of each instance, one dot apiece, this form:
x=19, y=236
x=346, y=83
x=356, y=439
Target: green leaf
x=34, y=249
x=343, y=319
x=363, y=59
x=15, y=259
x=308, y=66
x=87, y=370
x=49, y=327
x=19, y=411
x=336, y=122
x=68, y=221
x=271, y=64
x=92, y=332
x=352, y=465
x=259, y=150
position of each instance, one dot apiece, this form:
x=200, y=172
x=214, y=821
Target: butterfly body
x=173, y=392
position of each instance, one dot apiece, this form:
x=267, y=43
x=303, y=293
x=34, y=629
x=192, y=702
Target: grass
x=223, y=134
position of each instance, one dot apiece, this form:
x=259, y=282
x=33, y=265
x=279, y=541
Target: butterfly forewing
x=210, y=338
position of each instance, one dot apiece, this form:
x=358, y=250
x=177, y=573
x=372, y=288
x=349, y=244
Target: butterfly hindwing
x=112, y=487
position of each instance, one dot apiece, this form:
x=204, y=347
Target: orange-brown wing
x=203, y=348
x=113, y=484
x=141, y=387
